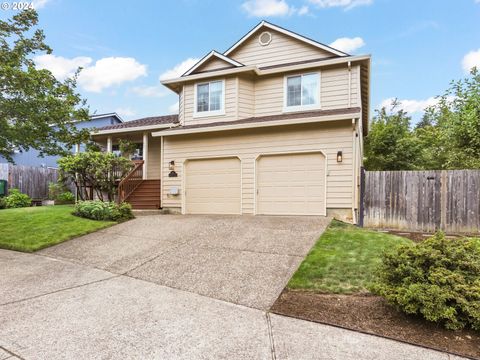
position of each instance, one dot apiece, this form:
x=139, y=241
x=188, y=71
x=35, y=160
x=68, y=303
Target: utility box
x=3, y=188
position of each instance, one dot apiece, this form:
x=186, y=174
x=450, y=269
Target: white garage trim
x=312, y=151
x=194, y=158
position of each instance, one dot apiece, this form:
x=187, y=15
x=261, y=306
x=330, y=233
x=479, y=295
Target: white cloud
x=348, y=45
x=110, y=71
x=125, y=111
x=149, y=91
x=38, y=4
x=471, y=59
x=346, y=4
x=264, y=8
x=260, y=8
x=61, y=67
x=179, y=69
x=410, y=106
x=173, y=109
x=104, y=73
x=304, y=10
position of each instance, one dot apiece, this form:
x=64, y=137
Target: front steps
x=146, y=195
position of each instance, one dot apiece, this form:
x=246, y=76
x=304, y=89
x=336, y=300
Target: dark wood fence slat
x=427, y=201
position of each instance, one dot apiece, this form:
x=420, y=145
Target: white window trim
x=287, y=109
x=201, y=114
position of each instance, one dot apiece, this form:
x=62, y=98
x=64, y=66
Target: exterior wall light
x=171, y=167
x=339, y=156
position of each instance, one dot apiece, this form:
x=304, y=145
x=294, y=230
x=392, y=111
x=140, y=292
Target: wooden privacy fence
x=30, y=180
x=426, y=201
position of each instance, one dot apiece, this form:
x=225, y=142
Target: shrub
x=16, y=199
x=2, y=203
x=438, y=279
x=99, y=210
x=60, y=193
x=65, y=198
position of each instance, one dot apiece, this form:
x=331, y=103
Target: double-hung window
x=302, y=92
x=209, y=98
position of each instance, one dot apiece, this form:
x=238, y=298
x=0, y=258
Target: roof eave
x=173, y=83
x=259, y=124
x=286, y=32
x=133, y=129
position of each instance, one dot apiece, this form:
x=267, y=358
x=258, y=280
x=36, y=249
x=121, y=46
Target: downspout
x=161, y=171
x=354, y=170
x=349, y=64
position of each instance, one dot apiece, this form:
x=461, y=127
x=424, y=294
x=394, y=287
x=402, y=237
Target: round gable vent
x=265, y=38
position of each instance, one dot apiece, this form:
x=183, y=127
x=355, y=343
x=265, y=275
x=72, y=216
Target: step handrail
x=130, y=182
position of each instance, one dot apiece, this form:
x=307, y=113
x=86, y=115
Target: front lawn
x=34, y=228
x=343, y=259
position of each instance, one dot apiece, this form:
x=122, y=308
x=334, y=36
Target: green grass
x=343, y=260
x=34, y=228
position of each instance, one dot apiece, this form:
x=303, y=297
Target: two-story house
x=274, y=125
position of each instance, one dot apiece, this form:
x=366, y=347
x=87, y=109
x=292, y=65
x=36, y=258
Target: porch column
x=109, y=144
x=145, y=155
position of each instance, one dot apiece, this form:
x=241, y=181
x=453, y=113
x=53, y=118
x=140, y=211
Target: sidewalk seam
x=270, y=336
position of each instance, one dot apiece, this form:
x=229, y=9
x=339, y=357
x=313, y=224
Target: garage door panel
x=291, y=184
x=213, y=186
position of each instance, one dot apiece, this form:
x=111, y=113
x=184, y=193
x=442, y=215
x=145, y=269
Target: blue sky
x=417, y=47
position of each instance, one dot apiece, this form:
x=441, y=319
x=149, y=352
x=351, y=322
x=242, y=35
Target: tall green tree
x=451, y=135
x=36, y=110
x=390, y=144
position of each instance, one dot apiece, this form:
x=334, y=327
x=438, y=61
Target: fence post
x=362, y=197
x=443, y=200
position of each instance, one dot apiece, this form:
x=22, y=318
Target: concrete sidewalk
x=56, y=309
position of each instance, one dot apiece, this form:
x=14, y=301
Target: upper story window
x=209, y=98
x=302, y=92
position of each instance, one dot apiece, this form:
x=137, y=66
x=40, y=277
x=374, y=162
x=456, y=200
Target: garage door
x=213, y=186
x=292, y=184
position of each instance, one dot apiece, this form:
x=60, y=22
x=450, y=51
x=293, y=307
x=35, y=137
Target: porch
x=142, y=186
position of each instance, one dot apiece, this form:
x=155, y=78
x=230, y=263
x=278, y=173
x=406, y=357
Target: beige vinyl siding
x=334, y=88
x=269, y=91
x=246, y=98
x=230, y=103
x=248, y=144
x=213, y=63
x=282, y=49
x=153, y=166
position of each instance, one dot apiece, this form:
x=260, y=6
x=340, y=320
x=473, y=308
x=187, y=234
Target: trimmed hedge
x=99, y=210
x=438, y=279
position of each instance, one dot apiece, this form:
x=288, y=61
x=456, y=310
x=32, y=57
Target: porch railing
x=133, y=179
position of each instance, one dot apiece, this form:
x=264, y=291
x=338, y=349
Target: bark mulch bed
x=371, y=314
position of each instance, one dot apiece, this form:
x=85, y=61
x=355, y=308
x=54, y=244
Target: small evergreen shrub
x=99, y=210
x=438, y=279
x=16, y=199
x=2, y=203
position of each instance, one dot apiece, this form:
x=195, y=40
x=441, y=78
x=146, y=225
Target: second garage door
x=291, y=184
x=213, y=186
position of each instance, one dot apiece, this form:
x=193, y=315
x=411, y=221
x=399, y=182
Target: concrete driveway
x=244, y=260
x=171, y=287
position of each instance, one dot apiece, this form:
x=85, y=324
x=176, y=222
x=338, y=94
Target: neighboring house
x=32, y=156
x=274, y=125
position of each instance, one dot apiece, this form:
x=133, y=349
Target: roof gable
x=249, y=43
x=213, y=61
